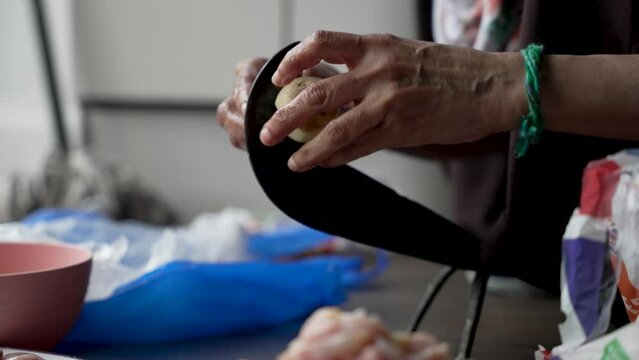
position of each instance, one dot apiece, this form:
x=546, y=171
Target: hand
x=230, y=113
x=406, y=93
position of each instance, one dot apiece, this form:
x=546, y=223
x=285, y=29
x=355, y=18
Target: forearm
x=497, y=143
x=595, y=95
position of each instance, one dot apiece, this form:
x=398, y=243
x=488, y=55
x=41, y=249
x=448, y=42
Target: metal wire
x=475, y=304
x=429, y=296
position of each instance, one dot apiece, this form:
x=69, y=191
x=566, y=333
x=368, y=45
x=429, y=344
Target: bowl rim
x=42, y=353
x=87, y=256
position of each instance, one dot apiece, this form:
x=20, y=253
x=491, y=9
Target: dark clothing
x=519, y=208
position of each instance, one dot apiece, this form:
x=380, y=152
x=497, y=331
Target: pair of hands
x=405, y=93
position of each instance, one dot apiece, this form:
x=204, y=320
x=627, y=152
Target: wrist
x=513, y=93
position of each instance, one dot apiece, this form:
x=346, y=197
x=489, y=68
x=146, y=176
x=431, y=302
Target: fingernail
x=244, y=107
x=279, y=80
x=275, y=79
x=265, y=136
x=292, y=164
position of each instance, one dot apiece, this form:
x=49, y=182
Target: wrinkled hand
x=406, y=93
x=230, y=112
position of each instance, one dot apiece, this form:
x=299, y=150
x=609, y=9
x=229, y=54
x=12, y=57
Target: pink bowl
x=42, y=290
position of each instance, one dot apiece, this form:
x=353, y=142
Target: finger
x=223, y=110
x=249, y=67
x=322, y=96
x=321, y=70
x=235, y=130
x=332, y=47
x=232, y=122
x=228, y=112
x=238, y=142
x=367, y=144
x=239, y=99
x=338, y=134
x=245, y=73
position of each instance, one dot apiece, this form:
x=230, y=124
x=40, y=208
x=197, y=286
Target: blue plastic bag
x=286, y=241
x=183, y=300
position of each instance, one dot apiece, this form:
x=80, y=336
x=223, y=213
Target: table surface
x=515, y=320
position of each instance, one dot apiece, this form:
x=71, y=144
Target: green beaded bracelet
x=531, y=123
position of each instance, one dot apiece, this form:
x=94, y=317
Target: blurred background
x=140, y=80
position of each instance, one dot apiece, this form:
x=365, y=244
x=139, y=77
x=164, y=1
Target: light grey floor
x=513, y=322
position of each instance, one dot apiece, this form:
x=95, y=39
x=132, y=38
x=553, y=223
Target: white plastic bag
x=124, y=251
x=601, y=250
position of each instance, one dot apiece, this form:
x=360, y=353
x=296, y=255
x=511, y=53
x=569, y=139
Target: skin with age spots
x=230, y=112
x=410, y=93
x=405, y=93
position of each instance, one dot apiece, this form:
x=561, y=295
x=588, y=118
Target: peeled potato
x=315, y=124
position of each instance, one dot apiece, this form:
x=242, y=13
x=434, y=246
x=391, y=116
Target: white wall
x=187, y=48
x=183, y=156
x=358, y=16
x=173, y=49
x=25, y=132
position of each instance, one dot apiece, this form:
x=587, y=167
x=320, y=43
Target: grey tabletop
x=515, y=319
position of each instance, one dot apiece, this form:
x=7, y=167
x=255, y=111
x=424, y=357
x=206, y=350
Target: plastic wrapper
x=223, y=273
x=601, y=250
x=621, y=344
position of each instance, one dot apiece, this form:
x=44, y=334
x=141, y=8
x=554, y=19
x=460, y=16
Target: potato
x=315, y=124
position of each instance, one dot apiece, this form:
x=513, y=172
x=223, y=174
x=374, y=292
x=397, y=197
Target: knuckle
x=322, y=38
x=241, y=66
x=237, y=142
x=240, y=96
x=379, y=70
x=395, y=71
x=235, y=95
x=386, y=103
x=249, y=67
x=387, y=38
x=384, y=39
x=291, y=57
x=317, y=95
x=281, y=118
x=223, y=106
x=337, y=132
x=256, y=62
x=221, y=113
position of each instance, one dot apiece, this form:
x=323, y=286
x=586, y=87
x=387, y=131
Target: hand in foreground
x=406, y=93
